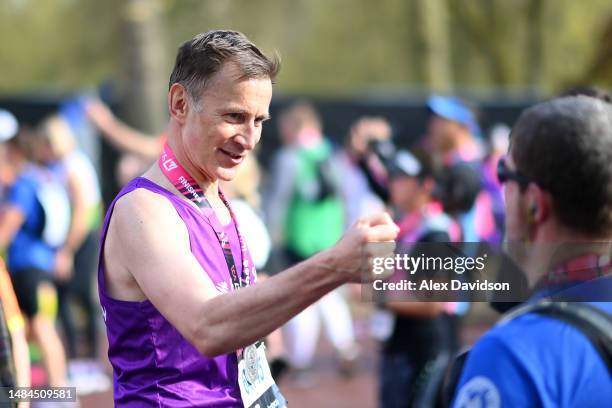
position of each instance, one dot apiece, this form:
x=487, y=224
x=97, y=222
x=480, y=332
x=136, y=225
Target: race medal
x=251, y=363
x=257, y=387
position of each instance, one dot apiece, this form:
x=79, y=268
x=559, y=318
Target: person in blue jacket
x=558, y=195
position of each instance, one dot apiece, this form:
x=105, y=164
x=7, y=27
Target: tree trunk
x=433, y=30
x=535, y=49
x=146, y=83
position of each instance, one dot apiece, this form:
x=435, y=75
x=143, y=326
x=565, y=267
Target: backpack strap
x=590, y=320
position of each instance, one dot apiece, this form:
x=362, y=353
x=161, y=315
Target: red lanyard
x=581, y=268
x=187, y=186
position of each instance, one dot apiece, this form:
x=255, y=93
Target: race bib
x=257, y=387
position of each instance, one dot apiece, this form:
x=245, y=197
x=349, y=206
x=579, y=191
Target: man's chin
x=225, y=174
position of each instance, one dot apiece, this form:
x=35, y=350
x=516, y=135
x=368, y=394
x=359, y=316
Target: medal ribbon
x=187, y=186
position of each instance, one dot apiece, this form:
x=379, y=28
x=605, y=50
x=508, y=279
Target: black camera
x=385, y=150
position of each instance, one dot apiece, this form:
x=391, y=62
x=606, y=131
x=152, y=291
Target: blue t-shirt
x=28, y=249
x=535, y=361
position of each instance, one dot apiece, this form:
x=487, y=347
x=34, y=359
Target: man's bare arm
x=149, y=239
x=121, y=135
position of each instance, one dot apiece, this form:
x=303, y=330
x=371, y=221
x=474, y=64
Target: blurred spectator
x=139, y=149
x=8, y=129
x=419, y=346
x=14, y=356
x=499, y=140
x=457, y=190
x=453, y=133
x=123, y=137
x=34, y=221
x=357, y=194
x=453, y=136
x=56, y=149
x=305, y=215
x=557, y=179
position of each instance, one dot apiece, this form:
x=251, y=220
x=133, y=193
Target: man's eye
x=235, y=117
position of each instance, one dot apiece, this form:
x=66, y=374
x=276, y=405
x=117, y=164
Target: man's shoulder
x=531, y=320
x=138, y=240
x=143, y=206
x=141, y=199
x=516, y=360
x=528, y=337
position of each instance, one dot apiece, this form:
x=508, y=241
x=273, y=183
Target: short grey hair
x=200, y=58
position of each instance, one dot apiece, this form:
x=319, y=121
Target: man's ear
x=539, y=203
x=178, y=102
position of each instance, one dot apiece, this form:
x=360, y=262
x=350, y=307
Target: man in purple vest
x=176, y=281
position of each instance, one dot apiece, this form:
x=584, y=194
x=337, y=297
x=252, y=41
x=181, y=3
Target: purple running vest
x=153, y=364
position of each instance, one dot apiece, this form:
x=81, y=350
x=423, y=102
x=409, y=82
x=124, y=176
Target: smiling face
x=225, y=123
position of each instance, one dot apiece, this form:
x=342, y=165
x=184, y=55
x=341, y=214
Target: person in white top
x=58, y=150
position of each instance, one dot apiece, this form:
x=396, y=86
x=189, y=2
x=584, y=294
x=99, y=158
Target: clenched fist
x=369, y=237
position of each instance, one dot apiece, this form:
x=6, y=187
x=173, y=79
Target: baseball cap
x=405, y=164
x=8, y=125
x=454, y=109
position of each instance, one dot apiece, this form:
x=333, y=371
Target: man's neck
x=553, y=247
x=209, y=187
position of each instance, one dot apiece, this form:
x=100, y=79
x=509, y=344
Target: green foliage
x=57, y=44
x=329, y=47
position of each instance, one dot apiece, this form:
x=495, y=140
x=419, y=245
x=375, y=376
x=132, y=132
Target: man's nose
x=249, y=136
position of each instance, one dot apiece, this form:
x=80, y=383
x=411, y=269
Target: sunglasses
x=504, y=173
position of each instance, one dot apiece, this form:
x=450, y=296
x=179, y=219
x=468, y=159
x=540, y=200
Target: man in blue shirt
x=557, y=178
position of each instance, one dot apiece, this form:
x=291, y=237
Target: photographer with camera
x=369, y=150
x=453, y=138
